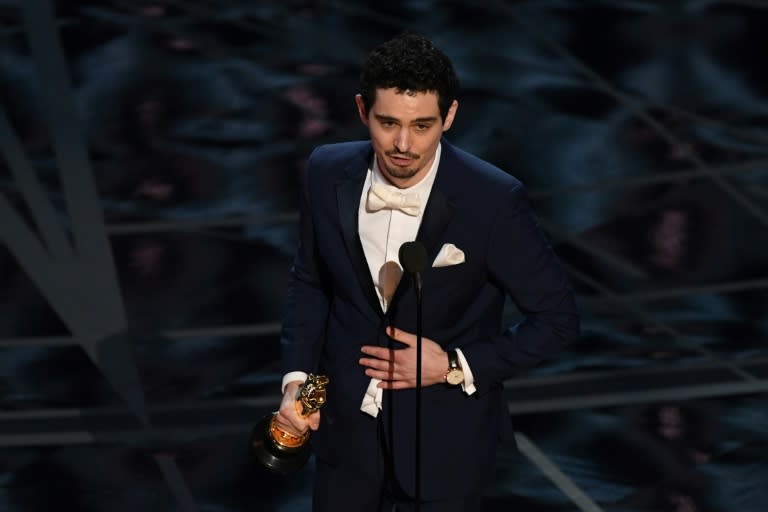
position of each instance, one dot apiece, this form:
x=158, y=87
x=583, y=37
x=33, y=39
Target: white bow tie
x=380, y=197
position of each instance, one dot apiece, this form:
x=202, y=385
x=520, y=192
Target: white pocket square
x=449, y=255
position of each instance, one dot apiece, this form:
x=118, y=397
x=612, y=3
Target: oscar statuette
x=282, y=452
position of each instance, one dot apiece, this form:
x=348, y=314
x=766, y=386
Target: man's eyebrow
x=430, y=119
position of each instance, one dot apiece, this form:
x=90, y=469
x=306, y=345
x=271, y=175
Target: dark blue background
x=639, y=127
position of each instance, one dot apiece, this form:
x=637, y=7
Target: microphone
x=413, y=258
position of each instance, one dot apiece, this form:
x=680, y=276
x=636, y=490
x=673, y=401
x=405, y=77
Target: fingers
x=287, y=417
x=377, y=364
x=382, y=365
x=396, y=334
x=378, y=352
x=291, y=422
x=396, y=384
x=401, y=336
x=314, y=420
x=396, y=368
x=380, y=369
x=386, y=376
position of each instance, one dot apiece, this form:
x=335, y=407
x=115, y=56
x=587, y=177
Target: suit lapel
x=437, y=216
x=348, y=192
x=440, y=208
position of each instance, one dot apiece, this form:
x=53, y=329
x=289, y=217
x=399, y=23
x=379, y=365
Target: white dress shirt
x=381, y=234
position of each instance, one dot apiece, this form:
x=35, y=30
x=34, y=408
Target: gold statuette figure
x=278, y=450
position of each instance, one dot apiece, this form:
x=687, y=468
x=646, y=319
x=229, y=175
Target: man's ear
x=361, y=109
x=450, y=116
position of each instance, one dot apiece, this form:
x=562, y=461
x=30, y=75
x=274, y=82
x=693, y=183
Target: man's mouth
x=402, y=160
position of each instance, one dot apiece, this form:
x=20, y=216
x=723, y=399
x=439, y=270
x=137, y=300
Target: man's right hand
x=288, y=418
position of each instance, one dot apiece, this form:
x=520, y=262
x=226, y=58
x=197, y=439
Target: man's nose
x=403, y=140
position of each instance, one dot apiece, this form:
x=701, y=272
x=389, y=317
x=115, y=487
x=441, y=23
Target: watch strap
x=453, y=360
x=454, y=375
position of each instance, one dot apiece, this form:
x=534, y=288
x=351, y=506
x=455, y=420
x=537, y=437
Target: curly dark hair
x=409, y=62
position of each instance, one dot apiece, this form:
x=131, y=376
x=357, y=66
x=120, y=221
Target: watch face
x=454, y=377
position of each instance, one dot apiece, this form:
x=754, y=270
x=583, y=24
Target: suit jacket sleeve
x=307, y=302
x=522, y=263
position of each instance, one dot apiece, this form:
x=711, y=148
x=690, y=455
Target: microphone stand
x=417, y=280
x=413, y=258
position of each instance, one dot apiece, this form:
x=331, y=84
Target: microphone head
x=413, y=257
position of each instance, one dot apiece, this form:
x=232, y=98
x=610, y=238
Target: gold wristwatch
x=454, y=375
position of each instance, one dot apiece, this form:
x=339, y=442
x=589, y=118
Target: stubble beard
x=402, y=173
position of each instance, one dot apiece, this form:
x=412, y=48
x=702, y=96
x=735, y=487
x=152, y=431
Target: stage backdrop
x=149, y=153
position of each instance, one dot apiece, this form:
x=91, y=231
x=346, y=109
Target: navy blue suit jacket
x=332, y=310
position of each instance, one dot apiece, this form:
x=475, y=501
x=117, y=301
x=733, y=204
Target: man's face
x=405, y=131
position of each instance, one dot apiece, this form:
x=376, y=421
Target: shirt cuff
x=292, y=376
x=371, y=403
x=469, y=380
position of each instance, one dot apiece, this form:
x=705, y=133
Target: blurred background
x=148, y=206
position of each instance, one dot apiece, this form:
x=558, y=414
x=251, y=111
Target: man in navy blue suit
x=350, y=316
